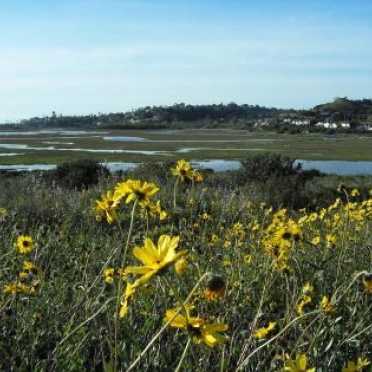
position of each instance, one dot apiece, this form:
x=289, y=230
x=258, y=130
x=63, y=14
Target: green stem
x=175, y=194
x=183, y=356
x=118, y=296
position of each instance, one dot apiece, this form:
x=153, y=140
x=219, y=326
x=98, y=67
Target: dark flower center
x=195, y=331
x=287, y=235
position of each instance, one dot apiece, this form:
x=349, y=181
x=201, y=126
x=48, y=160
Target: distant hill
x=343, y=104
x=210, y=116
x=343, y=109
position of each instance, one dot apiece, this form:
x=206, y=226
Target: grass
x=203, y=144
x=269, y=266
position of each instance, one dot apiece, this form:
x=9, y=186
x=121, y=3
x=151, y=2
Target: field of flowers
x=170, y=274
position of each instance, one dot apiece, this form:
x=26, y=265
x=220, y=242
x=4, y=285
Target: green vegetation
x=78, y=174
x=358, y=113
x=198, y=144
x=164, y=268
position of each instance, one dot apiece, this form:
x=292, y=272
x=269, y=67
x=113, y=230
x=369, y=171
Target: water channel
x=326, y=166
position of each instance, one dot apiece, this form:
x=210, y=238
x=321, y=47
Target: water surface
x=326, y=166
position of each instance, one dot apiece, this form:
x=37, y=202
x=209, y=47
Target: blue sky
x=89, y=56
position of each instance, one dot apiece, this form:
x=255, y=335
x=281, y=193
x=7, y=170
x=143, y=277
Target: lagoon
x=330, y=167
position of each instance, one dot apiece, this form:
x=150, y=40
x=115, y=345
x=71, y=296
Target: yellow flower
x=308, y=289
x=214, y=238
x=294, y=230
x=356, y=367
x=197, y=328
x=297, y=365
x=136, y=190
x=315, y=240
x=331, y=239
x=24, y=244
x=31, y=268
x=121, y=273
x=206, y=217
x=155, y=259
x=3, y=214
x=178, y=320
x=128, y=296
x=10, y=288
x=226, y=262
x=107, y=206
x=180, y=265
x=215, y=288
x=198, y=177
x=262, y=332
x=210, y=334
x=367, y=282
x=327, y=306
x=108, y=275
x=355, y=192
x=30, y=271
x=151, y=209
x=248, y=258
x=227, y=244
x=183, y=170
x=17, y=287
x=303, y=302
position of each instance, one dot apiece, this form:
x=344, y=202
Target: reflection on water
x=185, y=150
x=49, y=131
x=217, y=165
x=13, y=146
x=28, y=167
x=126, y=139
x=339, y=167
x=330, y=167
x=57, y=143
x=112, y=166
x=16, y=146
x=142, y=139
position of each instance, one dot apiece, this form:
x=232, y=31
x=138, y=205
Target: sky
x=81, y=57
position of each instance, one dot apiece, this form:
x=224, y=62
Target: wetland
x=218, y=149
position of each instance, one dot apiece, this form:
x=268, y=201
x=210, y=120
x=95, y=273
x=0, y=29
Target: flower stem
x=175, y=194
x=118, y=295
x=178, y=368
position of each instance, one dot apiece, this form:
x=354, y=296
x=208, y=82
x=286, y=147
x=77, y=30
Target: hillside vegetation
x=355, y=112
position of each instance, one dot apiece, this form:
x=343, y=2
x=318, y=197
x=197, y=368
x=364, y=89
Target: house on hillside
x=326, y=124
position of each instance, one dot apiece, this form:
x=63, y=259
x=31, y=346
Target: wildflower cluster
x=28, y=280
x=280, y=289
x=279, y=237
x=156, y=258
x=127, y=192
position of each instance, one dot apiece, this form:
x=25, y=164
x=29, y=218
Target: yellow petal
x=146, y=256
x=140, y=270
x=301, y=361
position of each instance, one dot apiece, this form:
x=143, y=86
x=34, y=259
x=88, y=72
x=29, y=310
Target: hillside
x=212, y=116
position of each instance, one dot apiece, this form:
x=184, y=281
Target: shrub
x=264, y=167
x=79, y=174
